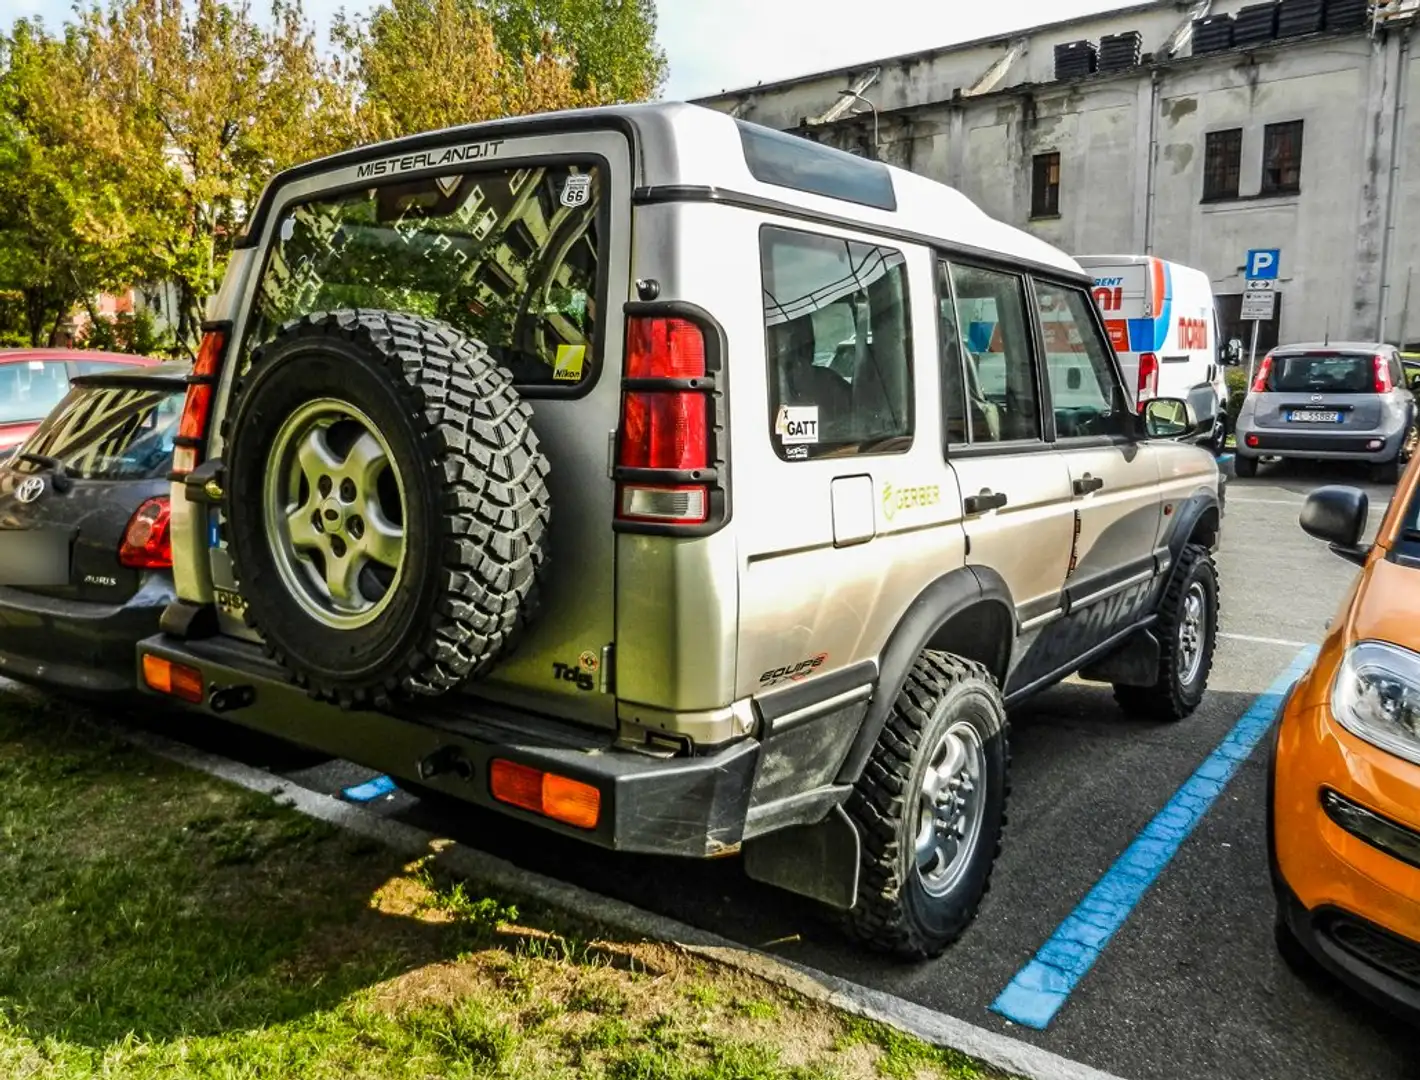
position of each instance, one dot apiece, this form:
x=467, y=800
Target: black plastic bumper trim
x=1396, y=840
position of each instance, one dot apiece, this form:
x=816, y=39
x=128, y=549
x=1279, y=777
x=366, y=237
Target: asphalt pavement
x=1191, y=985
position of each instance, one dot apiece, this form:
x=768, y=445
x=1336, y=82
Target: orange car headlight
x=1376, y=697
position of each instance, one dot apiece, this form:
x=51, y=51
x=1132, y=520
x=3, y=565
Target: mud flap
x=1134, y=663
x=818, y=861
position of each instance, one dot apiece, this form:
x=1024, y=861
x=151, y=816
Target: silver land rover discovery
x=682, y=486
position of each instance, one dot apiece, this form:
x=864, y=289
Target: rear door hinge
x=606, y=676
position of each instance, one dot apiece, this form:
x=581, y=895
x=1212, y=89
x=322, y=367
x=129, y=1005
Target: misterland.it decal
x=797, y=424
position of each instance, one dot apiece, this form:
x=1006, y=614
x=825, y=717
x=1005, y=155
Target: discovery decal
x=429, y=159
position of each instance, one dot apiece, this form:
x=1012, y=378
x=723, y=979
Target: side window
x=1397, y=373
x=1084, y=391
x=838, y=341
x=510, y=257
x=1001, y=395
x=954, y=398
x=30, y=388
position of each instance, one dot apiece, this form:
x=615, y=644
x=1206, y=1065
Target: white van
x=1164, y=327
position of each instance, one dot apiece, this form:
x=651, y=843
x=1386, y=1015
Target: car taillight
x=178, y=680
x=1264, y=372
x=558, y=797
x=197, y=409
x=147, y=542
x=1148, y=378
x=1383, y=383
x=664, y=441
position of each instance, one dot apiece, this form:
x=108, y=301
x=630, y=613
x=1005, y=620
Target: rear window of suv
x=1323, y=373
x=511, y=258
x=109, y=433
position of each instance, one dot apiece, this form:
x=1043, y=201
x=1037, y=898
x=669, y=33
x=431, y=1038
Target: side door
x=1114, y=473
x=1014, y=485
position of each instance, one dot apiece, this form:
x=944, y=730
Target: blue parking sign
x=1263, y=264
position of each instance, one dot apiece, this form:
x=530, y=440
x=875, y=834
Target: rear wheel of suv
x=930, y=809
x=1188, y=632
x=386, y=507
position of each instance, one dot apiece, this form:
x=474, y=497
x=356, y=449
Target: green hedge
x=1237, y=390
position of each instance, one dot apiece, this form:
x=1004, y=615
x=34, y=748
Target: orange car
x=1344, y=779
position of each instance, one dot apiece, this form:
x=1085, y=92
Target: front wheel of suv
x=1188, y=631
x=930, y=808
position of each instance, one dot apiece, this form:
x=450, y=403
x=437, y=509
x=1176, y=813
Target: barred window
x=1282, y=158
x=1222, y=164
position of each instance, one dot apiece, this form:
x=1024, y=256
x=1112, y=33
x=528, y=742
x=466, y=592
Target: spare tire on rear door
x=386, y=507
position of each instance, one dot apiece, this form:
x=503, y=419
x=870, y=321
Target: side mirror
x=1337, y=515
x=1233, y=353
x=1415, y=382
x=1174, y=418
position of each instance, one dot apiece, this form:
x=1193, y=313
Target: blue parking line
x=1041, y=988
x=370, y=789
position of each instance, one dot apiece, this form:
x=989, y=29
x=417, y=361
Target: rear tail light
x=147, y=542
x=1148, y=378
x=1253, y=441
x=1264, y=372
x=558, y=797
x=175, y=680
x=1383, y=381
x=197, y=409
x=665, y=424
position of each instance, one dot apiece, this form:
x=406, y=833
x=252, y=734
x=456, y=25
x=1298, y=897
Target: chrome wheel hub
x=1192, y=633
x=951, y=808
x=335, y=513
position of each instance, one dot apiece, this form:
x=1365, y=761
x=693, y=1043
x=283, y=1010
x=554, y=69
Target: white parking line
x=1264, y=640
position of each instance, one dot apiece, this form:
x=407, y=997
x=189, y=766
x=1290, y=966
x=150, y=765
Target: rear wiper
x=62, y=480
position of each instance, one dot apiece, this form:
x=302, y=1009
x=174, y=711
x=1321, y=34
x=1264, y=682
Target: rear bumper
x=1340, y=446
x=76, y=646
x=687, y=806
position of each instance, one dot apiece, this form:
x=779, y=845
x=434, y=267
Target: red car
x=32, y=381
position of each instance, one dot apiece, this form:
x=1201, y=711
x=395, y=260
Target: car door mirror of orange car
x=1337, y=514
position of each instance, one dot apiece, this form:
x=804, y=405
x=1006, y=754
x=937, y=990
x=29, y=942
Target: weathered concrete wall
x=1132, y=155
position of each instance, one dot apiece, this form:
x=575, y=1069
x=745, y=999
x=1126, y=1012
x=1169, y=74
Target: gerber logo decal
x=896, y=499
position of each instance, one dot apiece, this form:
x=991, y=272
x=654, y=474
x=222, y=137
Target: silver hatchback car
x=1346, y=401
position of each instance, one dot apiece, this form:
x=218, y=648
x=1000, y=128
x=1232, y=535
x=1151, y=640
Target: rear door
x=524, y=245
x=1323, y=390
x=75, y=485
x=1015, y=486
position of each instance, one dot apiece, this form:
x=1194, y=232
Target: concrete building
x=1310, y=144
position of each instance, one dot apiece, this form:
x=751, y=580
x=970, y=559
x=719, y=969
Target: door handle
x=987, y=500
x=1087, y=484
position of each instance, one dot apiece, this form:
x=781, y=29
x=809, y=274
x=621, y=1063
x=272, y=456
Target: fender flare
x=935, y=606
x=1187, y=517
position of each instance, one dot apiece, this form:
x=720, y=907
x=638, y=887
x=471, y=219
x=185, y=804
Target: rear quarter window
x=109, y=433
x=509, y=257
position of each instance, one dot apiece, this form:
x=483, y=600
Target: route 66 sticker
x=577, y=190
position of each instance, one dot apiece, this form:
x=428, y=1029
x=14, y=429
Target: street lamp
x=859, y=97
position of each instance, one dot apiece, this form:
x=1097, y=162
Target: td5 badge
x=582, y=673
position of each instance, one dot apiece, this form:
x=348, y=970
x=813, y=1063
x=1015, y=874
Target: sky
x=715, y=45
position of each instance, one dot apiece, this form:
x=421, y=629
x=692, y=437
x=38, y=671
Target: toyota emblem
x=30, y=489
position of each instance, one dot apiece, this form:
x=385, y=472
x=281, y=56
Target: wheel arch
x=968, y=612
x=1197, y=520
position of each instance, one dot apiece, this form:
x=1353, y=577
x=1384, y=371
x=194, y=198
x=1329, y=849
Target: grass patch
x=159, y=923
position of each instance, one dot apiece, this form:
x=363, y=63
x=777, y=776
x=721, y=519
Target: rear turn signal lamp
x=1383, y=381
x=568, y=801
x=147, y=542
x=1148, y=379
x=197, y=409
x=175, y=680
x=1264, y=372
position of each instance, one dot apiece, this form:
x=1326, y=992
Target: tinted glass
x=837, y=338
x=110, y=433
x=1342, y=374
x=510, y=258
x=1084, y=393
x=1003, y=403
x=30, y=388
x=954, y=397
x=791, y=162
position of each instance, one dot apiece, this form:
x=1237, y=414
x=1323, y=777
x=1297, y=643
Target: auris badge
x=30, y=489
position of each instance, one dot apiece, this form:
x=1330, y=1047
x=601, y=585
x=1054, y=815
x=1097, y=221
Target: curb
x=1000, y=1051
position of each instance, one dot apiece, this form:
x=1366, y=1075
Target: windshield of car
x=1326, y=373
x=30, y=388
x=109, y=433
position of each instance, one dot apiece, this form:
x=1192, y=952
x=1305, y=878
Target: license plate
x=34, y=557
x=1314, y=416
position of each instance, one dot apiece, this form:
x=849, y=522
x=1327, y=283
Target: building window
x=1045, y=186
x=1222, y=164
x=1282, y=158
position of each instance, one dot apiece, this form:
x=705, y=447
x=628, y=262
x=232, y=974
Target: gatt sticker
x=577, y=190
x=797, y=425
